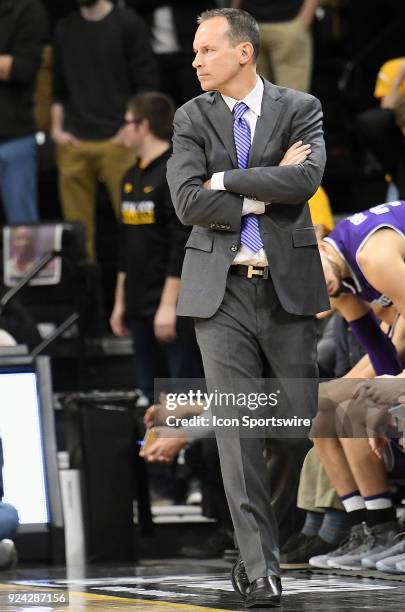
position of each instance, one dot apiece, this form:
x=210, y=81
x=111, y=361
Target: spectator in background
x=23, y=30
x=102, y=58
x=286, y=42
x=173, y=24
x=152, y=250
x=381, y=130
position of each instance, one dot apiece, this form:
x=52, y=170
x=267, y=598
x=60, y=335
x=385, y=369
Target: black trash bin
x=102, y=430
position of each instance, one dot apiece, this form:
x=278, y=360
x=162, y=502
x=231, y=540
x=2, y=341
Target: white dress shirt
x=254, y=101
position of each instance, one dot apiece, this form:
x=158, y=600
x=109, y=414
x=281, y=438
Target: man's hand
x=296, y=154
x=117, y=323
x=60, y=137
x=377, y=444
x=164, y=323
x=382, y=391
x=207, y=184
x=165, y=449
x=6, y=62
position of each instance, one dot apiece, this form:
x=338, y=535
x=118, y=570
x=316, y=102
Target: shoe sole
x=286, y=566
x=263, y=603
x=319, y=565
x=347, y=567
x=390, y=570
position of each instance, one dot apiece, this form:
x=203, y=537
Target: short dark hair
x=242, y=26
x=158, y=109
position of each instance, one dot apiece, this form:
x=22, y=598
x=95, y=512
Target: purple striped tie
x=250, y=232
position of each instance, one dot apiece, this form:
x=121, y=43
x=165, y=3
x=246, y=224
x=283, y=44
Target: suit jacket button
x=234, y=247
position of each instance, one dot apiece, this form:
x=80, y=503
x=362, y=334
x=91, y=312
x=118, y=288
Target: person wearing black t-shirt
x=286, y=42
x=151, y=252
x=102, y=58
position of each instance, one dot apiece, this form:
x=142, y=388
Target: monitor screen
x=24, y=473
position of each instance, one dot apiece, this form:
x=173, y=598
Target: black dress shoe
x=240, y=581
x=264, y=593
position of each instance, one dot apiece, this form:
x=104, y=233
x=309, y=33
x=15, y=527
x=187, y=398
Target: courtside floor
x=178, y=586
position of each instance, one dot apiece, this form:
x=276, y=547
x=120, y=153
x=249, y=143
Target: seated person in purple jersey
x=363, y=264
x=363, y=261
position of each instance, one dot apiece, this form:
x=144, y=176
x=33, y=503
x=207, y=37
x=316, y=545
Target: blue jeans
x=18, y=180
x=8, y=521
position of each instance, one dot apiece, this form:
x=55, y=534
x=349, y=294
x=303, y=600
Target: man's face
x=217, y=61
x=24, y=244
x=333, y=276
x=132, y=133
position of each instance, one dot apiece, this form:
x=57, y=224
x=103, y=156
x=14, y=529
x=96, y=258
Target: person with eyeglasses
x=151, y=252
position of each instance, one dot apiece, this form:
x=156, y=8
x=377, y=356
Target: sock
x=313, y=522
x=355, y=508
x=333, y=525
x=379, y=509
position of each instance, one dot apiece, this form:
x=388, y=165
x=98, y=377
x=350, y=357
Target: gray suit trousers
x=251, y=336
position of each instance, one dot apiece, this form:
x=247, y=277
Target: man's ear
x=247, y=52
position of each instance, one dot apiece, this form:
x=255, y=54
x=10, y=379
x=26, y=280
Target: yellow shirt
x=386, y=77
x=321, y=211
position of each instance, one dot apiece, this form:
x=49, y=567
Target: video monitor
x=27, y=433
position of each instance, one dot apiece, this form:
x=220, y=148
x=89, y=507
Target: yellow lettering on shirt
x=128, y=188
x=148, y=188
x=138, y=213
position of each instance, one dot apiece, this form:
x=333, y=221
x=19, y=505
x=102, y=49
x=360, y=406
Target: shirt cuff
x=217, y=181
x=253, y=206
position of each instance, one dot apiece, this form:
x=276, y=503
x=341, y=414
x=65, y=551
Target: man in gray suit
x=246, y=157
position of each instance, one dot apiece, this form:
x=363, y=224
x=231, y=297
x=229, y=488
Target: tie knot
x=239, y=110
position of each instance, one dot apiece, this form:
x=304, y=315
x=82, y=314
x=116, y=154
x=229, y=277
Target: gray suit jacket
x=203, y=144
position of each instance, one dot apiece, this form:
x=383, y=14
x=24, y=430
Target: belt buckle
x=264, y=272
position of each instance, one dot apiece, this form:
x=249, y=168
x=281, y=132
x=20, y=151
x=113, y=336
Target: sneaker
x=401, y=566
x=377, y=539
x=389, y=564
x=295, y=541
x=8, y=554
x=397, y=547
x=299, y=558
x=356, y=537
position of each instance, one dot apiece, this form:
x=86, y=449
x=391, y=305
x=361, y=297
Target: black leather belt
x=250, y=271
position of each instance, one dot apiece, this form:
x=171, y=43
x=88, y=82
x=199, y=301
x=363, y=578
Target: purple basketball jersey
x=349, y=236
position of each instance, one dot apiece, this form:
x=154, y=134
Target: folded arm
x=289, y=184
x=186, y=174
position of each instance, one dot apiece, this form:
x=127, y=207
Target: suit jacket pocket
x=199, y=241
x=304, y=236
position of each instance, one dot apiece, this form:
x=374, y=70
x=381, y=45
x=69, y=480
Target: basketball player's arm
x=186, y=174
x=290, y=184
x=382, y=356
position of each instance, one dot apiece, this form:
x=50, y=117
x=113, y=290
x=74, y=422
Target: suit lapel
x=271, y=109
x=221, y=119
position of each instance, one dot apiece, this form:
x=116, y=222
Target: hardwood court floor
x=179, y=586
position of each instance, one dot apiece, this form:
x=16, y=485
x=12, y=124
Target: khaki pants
x=315, y=492
x=81, y=166
x=286, y=54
